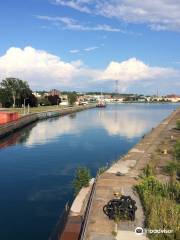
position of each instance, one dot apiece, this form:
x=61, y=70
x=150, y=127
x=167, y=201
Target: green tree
x=10, y=88
x=81, y=179
x=72, y=97
x=5, y=99
x=15, y=90
x=54, y=100
x=44, y=101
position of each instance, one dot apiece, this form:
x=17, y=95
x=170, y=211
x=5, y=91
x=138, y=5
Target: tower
x=157, y=93
x=116, y=86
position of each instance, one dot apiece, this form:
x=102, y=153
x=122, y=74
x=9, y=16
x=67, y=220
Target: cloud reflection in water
x=123, y=121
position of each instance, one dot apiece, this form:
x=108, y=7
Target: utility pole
x=157, y=93
x=28, y=108
x=25, y=105
x=116, y=89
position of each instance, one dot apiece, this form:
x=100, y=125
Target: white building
x=173, y=98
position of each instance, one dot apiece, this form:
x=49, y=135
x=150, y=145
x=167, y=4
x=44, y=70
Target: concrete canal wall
x=8, y=128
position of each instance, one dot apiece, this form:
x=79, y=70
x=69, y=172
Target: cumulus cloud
x=157, y=14
x=135, y=70
x=44, y=70
x=37, y=66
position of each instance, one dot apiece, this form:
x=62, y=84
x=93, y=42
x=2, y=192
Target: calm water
x=37, y=164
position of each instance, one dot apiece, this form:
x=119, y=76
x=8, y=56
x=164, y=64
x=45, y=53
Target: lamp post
x=57, y=102
x=25, y=105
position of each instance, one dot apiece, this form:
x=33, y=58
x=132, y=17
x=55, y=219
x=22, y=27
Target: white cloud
x=78, y=5
x=72, y=24
x=157, y=14
x=44, y=70
x=89, y=49
x=74, y=51
x=39, y=67
x=135, y=70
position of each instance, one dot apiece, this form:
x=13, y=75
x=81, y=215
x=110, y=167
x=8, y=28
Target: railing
x=87, y=213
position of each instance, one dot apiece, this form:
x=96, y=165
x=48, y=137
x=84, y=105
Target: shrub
x=147, y=171
x=81, y=179
x=171, y=167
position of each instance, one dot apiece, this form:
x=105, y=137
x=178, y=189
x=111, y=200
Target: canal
x=37, y=164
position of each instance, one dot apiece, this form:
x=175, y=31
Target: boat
x=101, y=103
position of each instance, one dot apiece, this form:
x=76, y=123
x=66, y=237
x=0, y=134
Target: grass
x=177, y=150
x=178, y=124
x=161, y=201
x=36, y=109
x=161, y=206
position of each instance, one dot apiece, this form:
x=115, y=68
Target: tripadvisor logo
x=141, y=231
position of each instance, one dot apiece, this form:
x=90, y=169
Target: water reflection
x=17, y=137
x=51, y=129
x=126, y=123
x=124, y=120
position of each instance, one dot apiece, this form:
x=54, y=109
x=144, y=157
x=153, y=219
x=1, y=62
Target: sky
x=88, y=45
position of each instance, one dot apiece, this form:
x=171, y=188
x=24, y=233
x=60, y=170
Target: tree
x=16, y=90
x=5, y=98
x=72, y=97
x=54, y=100
x=81, y=179
x=10, y=86
x=43, y=101
x=32, y=101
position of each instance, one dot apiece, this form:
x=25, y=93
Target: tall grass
x=161, y=205
x=178, y=124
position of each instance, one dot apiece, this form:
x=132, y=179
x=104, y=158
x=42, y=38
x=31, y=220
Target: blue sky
x=89, y=44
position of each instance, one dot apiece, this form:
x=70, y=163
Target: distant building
x=55, y=92
x=64, y=103
x=40, y=94
x=173, y=98
x=36, y=94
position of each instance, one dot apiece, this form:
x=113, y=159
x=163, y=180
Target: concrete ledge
x=78, y=204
